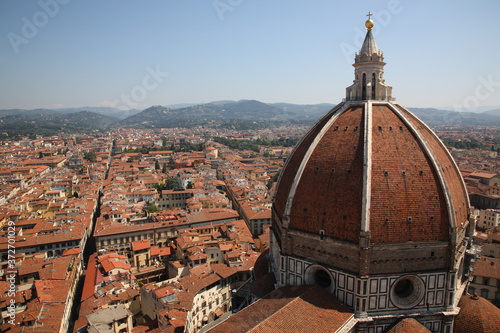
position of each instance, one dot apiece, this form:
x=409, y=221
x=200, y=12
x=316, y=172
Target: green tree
x=90, y=156
x=171, y=163
x=159, y=188
x=173, y=183
x=152, y=208
x=157, y=165
x=189, y=185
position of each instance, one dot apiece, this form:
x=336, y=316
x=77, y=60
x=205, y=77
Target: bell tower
x=369, y=83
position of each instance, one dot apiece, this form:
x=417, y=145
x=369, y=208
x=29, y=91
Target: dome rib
x=367, y=169
x=293, y=163
x=307, y=155
x=437, y=167
x=449, y=169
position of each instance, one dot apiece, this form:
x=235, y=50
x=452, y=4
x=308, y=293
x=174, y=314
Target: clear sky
x=74, y=53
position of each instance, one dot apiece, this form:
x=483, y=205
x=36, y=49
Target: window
x=484, y=293
x=373, y=86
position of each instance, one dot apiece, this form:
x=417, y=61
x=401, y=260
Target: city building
x=486, y=280
x=488, y=218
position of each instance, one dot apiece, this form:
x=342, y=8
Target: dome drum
x=378, y=259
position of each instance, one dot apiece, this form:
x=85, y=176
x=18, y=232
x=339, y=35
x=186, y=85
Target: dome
x=368, y=179
x=408, y=325
x=477, y=315
x=375, y=171
x=395, y=169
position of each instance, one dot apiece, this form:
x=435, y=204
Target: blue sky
x=73, y=53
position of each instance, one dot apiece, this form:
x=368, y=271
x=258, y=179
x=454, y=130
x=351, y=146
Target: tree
x=90, y=156
x=152, y=208
x=174, y=183
x=40, y=154
x=171, y=163
x=157, y=165
x=164, y=168
x=159, y=187
x=189, y=185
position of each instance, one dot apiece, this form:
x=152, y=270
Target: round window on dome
x=407, y=291
x=403, y=288
x=320, y=276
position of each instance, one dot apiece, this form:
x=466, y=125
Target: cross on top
x=369, y=15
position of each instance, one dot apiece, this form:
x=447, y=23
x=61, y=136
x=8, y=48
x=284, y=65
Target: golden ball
x=369, y=24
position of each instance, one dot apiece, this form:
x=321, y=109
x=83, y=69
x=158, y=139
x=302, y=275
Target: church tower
x=371, y=207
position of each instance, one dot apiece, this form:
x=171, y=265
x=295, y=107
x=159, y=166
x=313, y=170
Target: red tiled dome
x=394, y=179
x=408, y=325
x=477, y=315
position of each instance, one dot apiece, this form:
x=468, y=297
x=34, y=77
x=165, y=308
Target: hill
x=495, y=112
x=46, y=124
x=243, y=112
x=436, y=117
x=241, y=115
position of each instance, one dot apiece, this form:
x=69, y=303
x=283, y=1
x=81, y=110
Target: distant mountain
x=47, y=124
x=106, y=111
x=205, y=114
x=492, y=112
x=305, y=111
x=180, y=105
x=243, y=114
x=436, y=117
x=13, y=112
x=220, y=113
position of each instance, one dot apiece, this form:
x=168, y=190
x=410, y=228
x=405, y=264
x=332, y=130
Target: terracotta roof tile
x=487, y=267
x=290, y=309
x=408, y=325
x=476, y=315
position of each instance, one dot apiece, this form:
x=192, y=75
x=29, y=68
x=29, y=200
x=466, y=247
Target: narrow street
x=87, y=251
